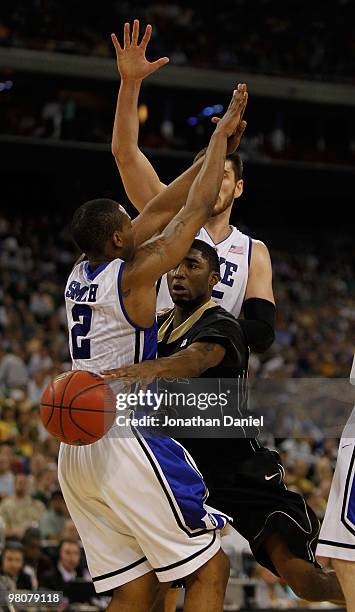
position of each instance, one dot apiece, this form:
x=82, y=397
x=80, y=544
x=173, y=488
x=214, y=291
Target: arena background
x=58, y=87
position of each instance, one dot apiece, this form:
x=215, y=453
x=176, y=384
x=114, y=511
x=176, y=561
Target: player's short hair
x=236, y=160
x=93, y=224
x=208, y=252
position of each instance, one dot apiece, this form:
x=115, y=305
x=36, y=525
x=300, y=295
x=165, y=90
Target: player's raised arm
x=160, y=254
x=139, y=178
x=161, y=210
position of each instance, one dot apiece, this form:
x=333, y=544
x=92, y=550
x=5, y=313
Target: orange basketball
x=77, y=407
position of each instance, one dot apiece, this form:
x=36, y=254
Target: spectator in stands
x=69, y=532
x=13, y=372
x=37, y=563
x=67, y=569
x=44, y=486
x=8, y=429
x=6, y=476
x=37, y=466
x=297, y=477
x=52, y=522
x=20, y=511
x=12, y=565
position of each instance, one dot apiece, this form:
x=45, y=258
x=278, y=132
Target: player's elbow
x=265, y=341
x=123, y=157
x=259, y=324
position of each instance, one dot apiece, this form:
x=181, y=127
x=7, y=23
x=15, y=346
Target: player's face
x=191, y=281
x=230, y=189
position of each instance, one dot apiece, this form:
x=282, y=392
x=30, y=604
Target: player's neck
x=218, y=227
x=182, y=313
x=95, y=262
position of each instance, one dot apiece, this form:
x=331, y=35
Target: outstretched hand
x=235, y=112
x=131, y=61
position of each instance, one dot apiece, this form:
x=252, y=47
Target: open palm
x=131, y=61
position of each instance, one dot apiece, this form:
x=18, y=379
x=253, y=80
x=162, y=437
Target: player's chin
x=181, y=298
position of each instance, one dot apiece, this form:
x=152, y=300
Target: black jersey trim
x=344, y=519
x=336, y=544
x=183, y=561
x=137, y=346
x=119, y=571
x=196, y=533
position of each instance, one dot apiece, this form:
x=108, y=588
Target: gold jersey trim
x=182, y=329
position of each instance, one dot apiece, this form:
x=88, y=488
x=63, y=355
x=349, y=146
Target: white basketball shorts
x=138, y=505
x=337, y=535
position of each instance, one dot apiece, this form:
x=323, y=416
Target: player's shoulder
x=259, y=252
x=217, y=315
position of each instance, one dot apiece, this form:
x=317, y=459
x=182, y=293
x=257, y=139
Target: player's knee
x=215, y=572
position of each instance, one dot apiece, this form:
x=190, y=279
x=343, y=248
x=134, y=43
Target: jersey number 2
x=83, y=314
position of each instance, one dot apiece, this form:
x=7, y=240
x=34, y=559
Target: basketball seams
x=81, y=392
x=102, y=384
x=52, y=404
x=61, y=402
x=77, y=409
x=60, y=397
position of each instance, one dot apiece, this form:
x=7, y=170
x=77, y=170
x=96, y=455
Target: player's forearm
x=126, y=124
x=181, y=365
x=206, y=187
x=130, y=160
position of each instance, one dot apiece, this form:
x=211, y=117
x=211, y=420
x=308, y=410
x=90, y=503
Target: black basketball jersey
x=212, y=323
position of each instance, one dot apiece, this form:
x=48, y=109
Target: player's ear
x=117, y=239
x=214, y=279
x=239, y=186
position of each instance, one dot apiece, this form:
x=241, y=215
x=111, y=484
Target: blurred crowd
x=60, y=110
x=315, y=338
x=302, y=39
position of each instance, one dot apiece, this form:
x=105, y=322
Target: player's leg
x=135, y=596
x=206, y=588
x=345, y=570
x=305, y=579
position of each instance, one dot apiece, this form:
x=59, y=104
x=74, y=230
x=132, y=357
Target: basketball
x=77, y=408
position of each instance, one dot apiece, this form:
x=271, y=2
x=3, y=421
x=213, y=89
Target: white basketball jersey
x=101, y=335
x=234, y=257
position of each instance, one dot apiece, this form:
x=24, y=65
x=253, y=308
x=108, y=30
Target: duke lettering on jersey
x=227, y=277
x=234, y=256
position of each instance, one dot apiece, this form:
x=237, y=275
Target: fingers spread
x=146, y=37
x=116, y=43
x=126, y=36
x=135, y=32
x=160, y=62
